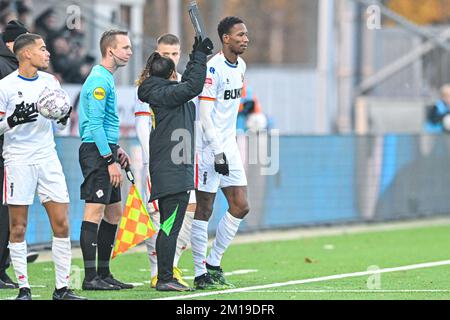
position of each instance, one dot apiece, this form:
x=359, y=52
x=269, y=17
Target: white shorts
x=22, y=181
x=208, y=180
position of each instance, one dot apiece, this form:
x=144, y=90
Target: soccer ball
x=53, y=104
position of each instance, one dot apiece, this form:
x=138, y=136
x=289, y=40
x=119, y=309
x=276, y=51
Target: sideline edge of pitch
x=311, y=280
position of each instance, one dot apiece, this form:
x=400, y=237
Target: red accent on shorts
x=196, y=171
x=142, y=113
x=5, y=193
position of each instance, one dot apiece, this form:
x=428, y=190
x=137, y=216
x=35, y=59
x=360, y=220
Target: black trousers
x=4, y=230
x=172, y=209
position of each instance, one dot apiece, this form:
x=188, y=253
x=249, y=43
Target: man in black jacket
x=171, y=147
x=8, y=64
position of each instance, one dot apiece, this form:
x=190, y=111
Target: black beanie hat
x=13, y=29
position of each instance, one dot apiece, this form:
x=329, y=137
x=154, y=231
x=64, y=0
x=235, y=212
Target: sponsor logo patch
x=208, y=82
x=99, y=93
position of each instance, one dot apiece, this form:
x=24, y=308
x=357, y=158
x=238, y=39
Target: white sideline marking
x=136, y=284
x=352, y=291
x=319, y=279
x=244, y=271
x=14, y=298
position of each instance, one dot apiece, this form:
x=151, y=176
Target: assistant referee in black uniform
x=172, y=179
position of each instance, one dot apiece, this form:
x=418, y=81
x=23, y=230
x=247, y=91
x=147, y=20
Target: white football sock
x=226, y=231
x=18, y=253
x=62, y=258
x=184, y=237
x=199, y=243
x=151, y=245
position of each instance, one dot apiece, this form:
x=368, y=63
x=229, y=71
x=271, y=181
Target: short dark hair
x=169, y=39
x=226, y=24
x=108, y=39
x=24, y=40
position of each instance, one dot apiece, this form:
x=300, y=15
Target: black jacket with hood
x=8, y=61
x=171, y=103
x=8, y=64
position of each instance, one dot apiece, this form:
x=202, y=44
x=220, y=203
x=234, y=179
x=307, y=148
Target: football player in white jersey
x=219, y=164
x=168, y=45
x=31, y=163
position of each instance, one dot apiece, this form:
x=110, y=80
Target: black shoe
x=32, y=256
x=24, y=294
x=205, y=282
x=66, y=294
x=218, y=276
x=7, y=283
x=172, y=285
x=110, y=279
x=98, y=284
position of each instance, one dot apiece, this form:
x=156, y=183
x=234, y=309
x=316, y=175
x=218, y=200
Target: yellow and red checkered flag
x=135, y=225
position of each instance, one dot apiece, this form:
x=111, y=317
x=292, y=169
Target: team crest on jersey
x=208, y=82
x=20, y=94
x=99, y=93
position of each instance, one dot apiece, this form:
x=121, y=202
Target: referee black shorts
x=96, y=187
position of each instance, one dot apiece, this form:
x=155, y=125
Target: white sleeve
x=3, y=101
x=143, y=133
x=142, y=122
x=207, y=101
x=3, y=126
x=3, y=104
x=205, y=109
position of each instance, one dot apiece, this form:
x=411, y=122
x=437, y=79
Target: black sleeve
x=174, y=95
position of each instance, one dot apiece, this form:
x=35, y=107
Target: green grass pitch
x=275, y=262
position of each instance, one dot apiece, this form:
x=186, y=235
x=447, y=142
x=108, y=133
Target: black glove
x=221, y=164
x=206, y=46
x=22, y=114
x=64, y=119
x=197, y=40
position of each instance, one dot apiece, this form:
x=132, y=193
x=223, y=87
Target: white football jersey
x=223, y=85
x=143, y=109
x=28, y=143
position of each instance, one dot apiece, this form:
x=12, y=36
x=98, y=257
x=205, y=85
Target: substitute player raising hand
x=219, y=161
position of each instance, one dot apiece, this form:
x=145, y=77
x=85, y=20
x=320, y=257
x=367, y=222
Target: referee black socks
x=88, y=243
x=106, y=237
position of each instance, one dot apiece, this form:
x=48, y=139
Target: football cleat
x=24, y=294
x=218, y=277
x=172, y=285
x=178, y=274
x=205, y=282
x=110, y=279
x=66, y=294
x=153, y=281
x=98, y=284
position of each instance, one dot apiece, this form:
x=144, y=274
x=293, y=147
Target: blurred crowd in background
x=70, y=62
